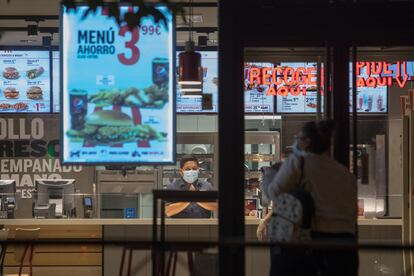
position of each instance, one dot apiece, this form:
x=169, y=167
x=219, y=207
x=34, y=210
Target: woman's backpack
x=292, y=214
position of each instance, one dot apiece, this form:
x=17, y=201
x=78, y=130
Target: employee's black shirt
x=193, y=210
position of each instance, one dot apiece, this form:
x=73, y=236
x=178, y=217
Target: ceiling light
x=32, y=30
x=46, y=40
x=190, y=72
x=202, y=40
x=186, y=20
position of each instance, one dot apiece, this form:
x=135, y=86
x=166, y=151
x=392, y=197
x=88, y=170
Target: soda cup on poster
x=369, y=103
x=160, y=71
x=78, y=108
x=205, y=72
x=380, y=103
x=360, y=102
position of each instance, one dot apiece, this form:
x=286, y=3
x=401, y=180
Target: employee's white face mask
x=190, y=176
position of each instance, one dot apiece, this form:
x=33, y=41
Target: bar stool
x=172, y=260
x=31, y=234
x=171, y=263
x=4, y=233
x=129, y=264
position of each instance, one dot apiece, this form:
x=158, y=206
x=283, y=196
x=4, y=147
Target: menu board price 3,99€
x=117, y=90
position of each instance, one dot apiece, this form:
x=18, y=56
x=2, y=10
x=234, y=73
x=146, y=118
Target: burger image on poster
x=11, y=73
x=35, y=93
x=11, y=93
x=109, y=127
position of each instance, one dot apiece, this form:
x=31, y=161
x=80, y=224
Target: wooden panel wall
x=59, y=259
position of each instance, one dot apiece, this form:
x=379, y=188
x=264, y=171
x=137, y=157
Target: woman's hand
x=261, y=231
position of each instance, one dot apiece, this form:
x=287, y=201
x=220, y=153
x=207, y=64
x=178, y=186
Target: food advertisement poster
x=255, y=98
x=299, y=88
x=370, y=98
x=209, y=62
x=24, y=81
x=117, y=90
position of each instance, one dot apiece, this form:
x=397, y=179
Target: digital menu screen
x=118, y=90
x=255, y=98
x=370, y=98
x=297, y=87
x=209, y=62
x=24, y=81
x=56, y=80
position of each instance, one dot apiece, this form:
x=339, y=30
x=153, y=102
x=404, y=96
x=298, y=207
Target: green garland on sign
x=130, y=19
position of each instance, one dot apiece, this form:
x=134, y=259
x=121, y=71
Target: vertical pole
x=318, y=89
x=410, y=183
x=327, y=82
x=354, y=111
x=162, y=238
x=341, y=102
x=154, y=236
x=406, y=236
x=231, y=138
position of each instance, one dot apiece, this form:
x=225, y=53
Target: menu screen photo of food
x=209, y=62
x=24, y=81
x=298, y=88
x=255, y=98
x=369, y=99
x=117, y=89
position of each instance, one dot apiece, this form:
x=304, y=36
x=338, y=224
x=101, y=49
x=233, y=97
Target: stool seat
x=29, y=234
x=171, y=263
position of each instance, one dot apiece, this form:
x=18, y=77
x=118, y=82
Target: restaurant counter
x=87, y=259
x=146, y=221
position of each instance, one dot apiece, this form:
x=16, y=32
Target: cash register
x=7, y=198
x=54, y=198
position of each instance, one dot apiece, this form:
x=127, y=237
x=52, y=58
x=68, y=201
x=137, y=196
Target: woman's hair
x=319, y=134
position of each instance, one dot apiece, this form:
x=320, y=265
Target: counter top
x=249, y=221
x=379, y=222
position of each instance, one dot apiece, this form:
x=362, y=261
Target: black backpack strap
x=302, y=167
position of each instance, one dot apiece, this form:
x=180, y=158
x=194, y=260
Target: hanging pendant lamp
x=190, y=72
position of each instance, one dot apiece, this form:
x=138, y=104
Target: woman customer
x=334, y=191
x=268, y=173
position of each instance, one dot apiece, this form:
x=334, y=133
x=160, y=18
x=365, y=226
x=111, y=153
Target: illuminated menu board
x=118, y=89
x=256, y=99
x=297, y=89
x=371, y=92
x=209, y=62
x=24, y=81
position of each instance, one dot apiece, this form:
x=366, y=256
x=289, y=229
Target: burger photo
x=11, y=93
x=34, y=93
x=109, y=127
x=11, y=73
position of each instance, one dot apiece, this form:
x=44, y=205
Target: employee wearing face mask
x=189, y=171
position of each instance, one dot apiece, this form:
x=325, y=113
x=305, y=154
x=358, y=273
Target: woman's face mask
x=296, y=147
x=190, y=176
x=300, y=144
